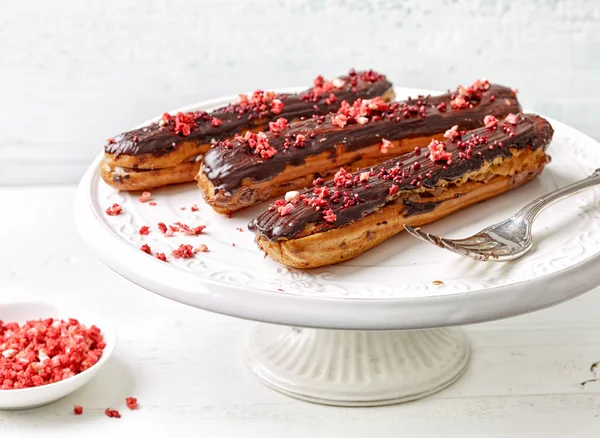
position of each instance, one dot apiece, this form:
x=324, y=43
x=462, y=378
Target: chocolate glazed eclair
x=170, y=151
x=342, y=219
x=246, y=170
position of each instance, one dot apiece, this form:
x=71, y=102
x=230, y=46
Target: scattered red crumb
x=201, y=248
x=393, y=190
x=240, y=229
x=459, y=102
x=161, y=256
x=186, y=229
x=321, y=87
x=276, y=106
x=146, y=196
x=194, y=208
x=490, y=121
x=144, y=230
x=184, y=251
x=165, y=119
x=152, y=203
x=284, y=210
x=115, y=210
x=258, y=143
x=513, y=119
x=329, y=216
x=232, y=243
x=131, y=402
x=386, y=145
x=145, y=248
x=197, y=230
x=78, y=410
x=339, y=120
x=300, y=140
x=162, y=227
x=279, y=125
x=110, y=140
x=113, y=413
x=185, y=123
x=46, y=351
x=332, y=98
x=341, y=179
x=452, y=133
x=216, y=122
x=437, y=152
x=361, y=111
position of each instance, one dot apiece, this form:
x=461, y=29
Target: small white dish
x=41, y=395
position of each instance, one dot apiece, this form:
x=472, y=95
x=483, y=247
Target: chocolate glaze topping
x=160, y=140
x=227, y=167
x=387, y=182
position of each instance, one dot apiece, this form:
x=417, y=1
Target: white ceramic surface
x=356, y=368
x=390, y=287
x=41, y=395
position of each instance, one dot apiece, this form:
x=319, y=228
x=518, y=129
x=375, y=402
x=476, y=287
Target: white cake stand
x=372, y=331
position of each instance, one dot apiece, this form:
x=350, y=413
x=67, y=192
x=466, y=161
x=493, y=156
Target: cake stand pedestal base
x=356, y=368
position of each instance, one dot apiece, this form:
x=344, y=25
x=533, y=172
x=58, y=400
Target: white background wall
x=73, y=73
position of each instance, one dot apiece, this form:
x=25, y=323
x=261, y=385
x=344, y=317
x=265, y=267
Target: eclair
x=170, y=150
x=343, y=218
x=252, y=168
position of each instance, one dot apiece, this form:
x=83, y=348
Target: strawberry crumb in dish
x=144, y=230
x=78, y=410
x=45, y=351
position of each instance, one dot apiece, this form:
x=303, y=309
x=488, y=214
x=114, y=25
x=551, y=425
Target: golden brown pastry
x=246, y=170
x=185, y=137
x=147, y=179
x=342, y=219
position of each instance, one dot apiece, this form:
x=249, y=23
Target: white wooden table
x=184, y=365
